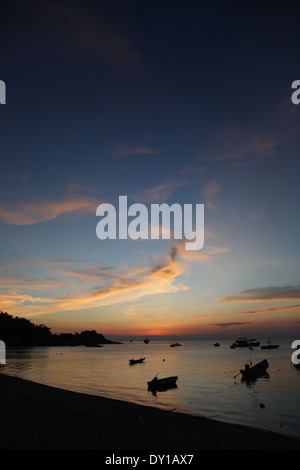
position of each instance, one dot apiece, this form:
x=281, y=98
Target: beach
x=38, y=417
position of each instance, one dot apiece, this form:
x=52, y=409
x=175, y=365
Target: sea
x=209, y=381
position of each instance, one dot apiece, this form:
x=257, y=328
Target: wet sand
x=39, y=417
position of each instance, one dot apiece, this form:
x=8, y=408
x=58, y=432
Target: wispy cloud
x=247, y=146
x=13, y=282
x=69, y=286
x=242, y=147
x=90, y=286
x=125, y=150
x=239, y=147
x=209, y=192
x=265, y=294
x=74, y=29
x=207, y=254
x=34, y=212
x=221, y=324
x=14, y=299
x=270, y=310
x=255, y=216
x=161, y=192
x=116, y=285
x=230, y=324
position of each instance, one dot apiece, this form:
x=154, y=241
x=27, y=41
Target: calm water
x=206, y=383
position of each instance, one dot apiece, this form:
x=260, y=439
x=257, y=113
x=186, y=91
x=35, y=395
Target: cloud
x=265, y=294
x=255, y=216
x=68, y=285
x=240, y=147
x=206, y=317
x=246, y=145
x=243, y=147
x=206, y=254
x=72, y=29
x=229, y=324
x=35, y=212
x=11, y=282
x=209, y=192
x=124, y=150
x=270, y=310
x=161, y=192
x=124, y=285
x=91, y=286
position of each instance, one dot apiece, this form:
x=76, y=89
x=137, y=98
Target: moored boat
x=255, y=371
x=136, y=361
x=244, y=343
x=162, y=384
x=172, y=345
x=270, y=345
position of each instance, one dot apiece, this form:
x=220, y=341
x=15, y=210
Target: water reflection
x=30, y=358
x=206, y=383
x=252, y=381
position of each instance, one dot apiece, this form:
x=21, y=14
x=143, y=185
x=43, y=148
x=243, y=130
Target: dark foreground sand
x=34, y=416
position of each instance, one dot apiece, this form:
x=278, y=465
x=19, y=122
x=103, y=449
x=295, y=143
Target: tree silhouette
x=16, y=331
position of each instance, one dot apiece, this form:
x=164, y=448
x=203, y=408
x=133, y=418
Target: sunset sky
x=164, y=102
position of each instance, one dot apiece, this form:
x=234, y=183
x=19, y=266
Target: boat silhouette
x=162, y=384
x=136, y=361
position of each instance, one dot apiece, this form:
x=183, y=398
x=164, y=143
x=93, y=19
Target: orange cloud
x=70, y=286
x=270, y=310
x=209, y=191
x=123, y=286
x=41, y=211
x=105, y=285
x=127, y=284
x=207, y=253
x=10, y=282
x=161, y=192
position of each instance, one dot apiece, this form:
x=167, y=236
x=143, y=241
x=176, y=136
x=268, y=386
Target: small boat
x=172, y=345
x=255, y=371
x=162, y=384
x=136, y=361
x=244, y=343
x=269, y=345
x=216, y=345
x=146, y=340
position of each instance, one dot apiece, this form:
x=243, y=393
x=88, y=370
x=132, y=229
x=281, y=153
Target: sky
x=162, y=102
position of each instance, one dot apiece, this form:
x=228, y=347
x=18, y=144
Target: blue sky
x=162, y=102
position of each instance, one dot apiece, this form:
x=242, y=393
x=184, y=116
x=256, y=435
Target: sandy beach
x=39, y=417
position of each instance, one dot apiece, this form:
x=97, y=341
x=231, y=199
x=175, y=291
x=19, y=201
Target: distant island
x=16, y=331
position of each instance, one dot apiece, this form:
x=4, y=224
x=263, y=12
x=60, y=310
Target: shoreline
x=40, y=417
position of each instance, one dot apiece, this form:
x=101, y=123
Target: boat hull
x=257, y=370
x=162, y=384
x=136, y=361
x=245, y=343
